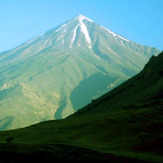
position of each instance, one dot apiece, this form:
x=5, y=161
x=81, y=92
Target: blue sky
x=137, y=20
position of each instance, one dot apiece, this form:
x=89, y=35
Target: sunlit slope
x=62, y=70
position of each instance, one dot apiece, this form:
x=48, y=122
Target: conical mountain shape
x=62, y=70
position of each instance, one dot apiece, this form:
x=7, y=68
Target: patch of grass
x=139, y=155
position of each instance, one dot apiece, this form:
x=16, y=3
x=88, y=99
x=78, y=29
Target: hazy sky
x=137, y=20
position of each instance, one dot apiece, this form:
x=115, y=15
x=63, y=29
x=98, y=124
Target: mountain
x=124, y=125
x=62, y=70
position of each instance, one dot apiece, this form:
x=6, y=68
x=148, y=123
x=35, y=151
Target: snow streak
x=84, y=29
x=61, y=27
x=35, y=38
x=115, y=35
x=74, y=35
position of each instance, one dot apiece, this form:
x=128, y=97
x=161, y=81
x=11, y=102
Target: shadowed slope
x=143, y=87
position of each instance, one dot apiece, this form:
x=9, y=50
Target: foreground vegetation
x=133, y=132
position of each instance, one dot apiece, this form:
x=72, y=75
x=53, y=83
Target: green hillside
x=125, y=125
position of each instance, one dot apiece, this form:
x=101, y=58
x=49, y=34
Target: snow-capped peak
x=82, y=17
x=83, y=29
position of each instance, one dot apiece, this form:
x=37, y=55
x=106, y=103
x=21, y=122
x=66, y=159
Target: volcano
x=57, y=73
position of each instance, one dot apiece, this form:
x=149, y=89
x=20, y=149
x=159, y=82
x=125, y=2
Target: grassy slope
x=125, y=122
x=130, y=131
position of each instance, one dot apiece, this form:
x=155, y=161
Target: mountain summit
x=62, y=70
